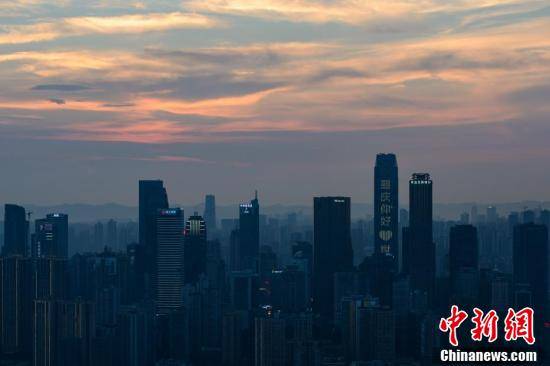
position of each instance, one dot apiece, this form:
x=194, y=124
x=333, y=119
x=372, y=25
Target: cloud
x=61, y=87
x=57, y=101
x=123, y=24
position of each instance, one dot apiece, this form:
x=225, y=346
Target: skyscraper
x=170, y=226
x=51, y=236
x=463, y=248
x=16, y=229
x=386, y=205
x=463, y=265
x=195, y=249
x=249, y=234
x=152, y=197
x=16, y=297
x=421, y=250
x=531, y=265
x=332, y=249
x=210, y=212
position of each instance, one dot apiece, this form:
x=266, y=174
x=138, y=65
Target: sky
x=293, y=98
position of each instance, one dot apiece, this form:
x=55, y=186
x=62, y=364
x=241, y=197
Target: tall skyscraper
x=111, y=239
x=170, y=226
x=210, y=212
x=386, y=205
x=464, y=265
x=16, y=231
x=51, y=236
x=16, y=297
x=531, y=266
x=195, y=249
x=249, y=234
x=420, y=246
x=152, y=197
x=332, y=249
x=463, y=248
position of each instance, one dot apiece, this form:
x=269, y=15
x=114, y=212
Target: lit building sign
x=385, y=233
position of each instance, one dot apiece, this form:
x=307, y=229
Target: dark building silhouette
x=169, y=277
x=386, y=205
x=152, y=197
x=249, y=234
x=51, y=236
x=418, y=239
x=531, y=266
x=63, y=332
x=16, y=231
x=195, y=249
x=210, y=212
x=464, y=265
x=332, y=249
x=16, y=296
x=463, y=248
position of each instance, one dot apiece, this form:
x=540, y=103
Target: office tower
x=243, y=290
x=386, y=205
x=332, y=249
x=111, y=238
x=269, y=341
x=170, y=252
x=63, y=332
x=134, y=337
x=463, y=248
x=51, y=236
x=249, y=234
x=16, y=230
x=194, y=254
x=375, y=333
x=531, y=266
x=152, y=197
x=491, y=214
x=421, y=264
x=99, y=235
x=210, y=212
x=528, y=216
x=50, y=278
x=16, y=297
x=464, y=265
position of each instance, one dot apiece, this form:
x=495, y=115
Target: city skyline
x=100, y=94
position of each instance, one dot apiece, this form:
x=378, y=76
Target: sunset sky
x=293, y=98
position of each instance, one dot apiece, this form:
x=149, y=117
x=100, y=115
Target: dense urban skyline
x=99, y=94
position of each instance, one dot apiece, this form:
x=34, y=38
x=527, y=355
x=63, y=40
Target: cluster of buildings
x=257, y=290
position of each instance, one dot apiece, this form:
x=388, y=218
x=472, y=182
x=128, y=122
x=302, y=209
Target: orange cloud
x=124, y=24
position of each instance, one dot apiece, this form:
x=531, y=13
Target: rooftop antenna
x=256, y=194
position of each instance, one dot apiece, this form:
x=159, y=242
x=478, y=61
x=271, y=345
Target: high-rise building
x=463, y=247
x=152, y=197
x=170, y=225
x=419, y=245
x=16, y=297
x=51, y=236
x=99, y=235
x=386, y=205
x=63, y=332
x=531, y=266
x=210, y=212
x=195, y=249
x=16, y=231
x=332, y=249
x=375, y=333
x=111, y=238
x=464, y=265
x=249, y=234
x=270, y=342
